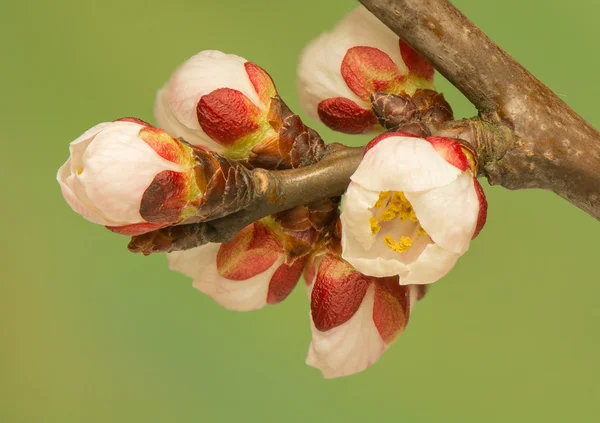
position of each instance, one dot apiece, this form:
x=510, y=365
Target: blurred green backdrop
x=92, y=333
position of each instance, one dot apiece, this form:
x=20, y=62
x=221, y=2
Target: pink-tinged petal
x=391, y=308
x=385, y=135
x=254, y=250
x=344, y=115
x=434, y=263
x=449, y=213
x=483, y=206
x=165, y=198
x=337, y=293
x=200, y=264
x=401, y=163
x=416, y=64
x=451, y=151
x=165, y=145
x=367, y=70
x=136, y=228
x=284, y=281
x=349, y=348
x=226, y=115
x=117, y=167
x=261, y=81
x=167, y=121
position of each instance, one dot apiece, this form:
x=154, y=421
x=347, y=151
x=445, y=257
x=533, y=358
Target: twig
x=276, y=191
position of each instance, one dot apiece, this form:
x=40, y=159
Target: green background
x=92, y=333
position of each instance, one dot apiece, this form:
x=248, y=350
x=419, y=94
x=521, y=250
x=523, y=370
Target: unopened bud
x=219, y=101
x=134, y=178
x=341, y=69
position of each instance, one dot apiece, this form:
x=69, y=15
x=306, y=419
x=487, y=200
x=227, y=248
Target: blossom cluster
x=411, y=210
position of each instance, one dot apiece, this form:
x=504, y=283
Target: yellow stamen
x=413, y=216
x=382, y=198
x=388, y=215
x=422, y=231
x=79, y=170
x=374, y=225
x=400, y=247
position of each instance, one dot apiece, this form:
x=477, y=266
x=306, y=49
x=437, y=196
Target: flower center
x=389, y=206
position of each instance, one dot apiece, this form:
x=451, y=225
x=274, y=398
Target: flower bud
x=129, y=177
x=254, y=269
x=354, y=317
x=340, y=70
x=217, y=101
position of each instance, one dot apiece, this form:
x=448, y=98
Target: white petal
x=200, y=264
x=403, y=164
x=379, y=260
x=201, y=75
x=349, y=348
x=80, y=206
x=68, y=176
x=433, y=264
x=319, y=75
x=448, y=213
x=167, y=121
x=356, y=214
x=118, y=167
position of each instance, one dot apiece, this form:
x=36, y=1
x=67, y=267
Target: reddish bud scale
x=164, y=144
x=451, y=151
x=344, y=115
x=337, y=293
x=391, y=307
x=250, y=253
x=367, y=70
x=483, y=206
x=415, y=63
x=226, y=115
x=165, y=198
x=261, y=81
x=284, y=281
x=137, y=228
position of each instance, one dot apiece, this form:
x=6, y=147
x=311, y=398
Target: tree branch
x=275, y=191
x=541, y=142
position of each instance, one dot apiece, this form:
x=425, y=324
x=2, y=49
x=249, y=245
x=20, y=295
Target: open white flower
x=412, y=208
x=128, y=176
